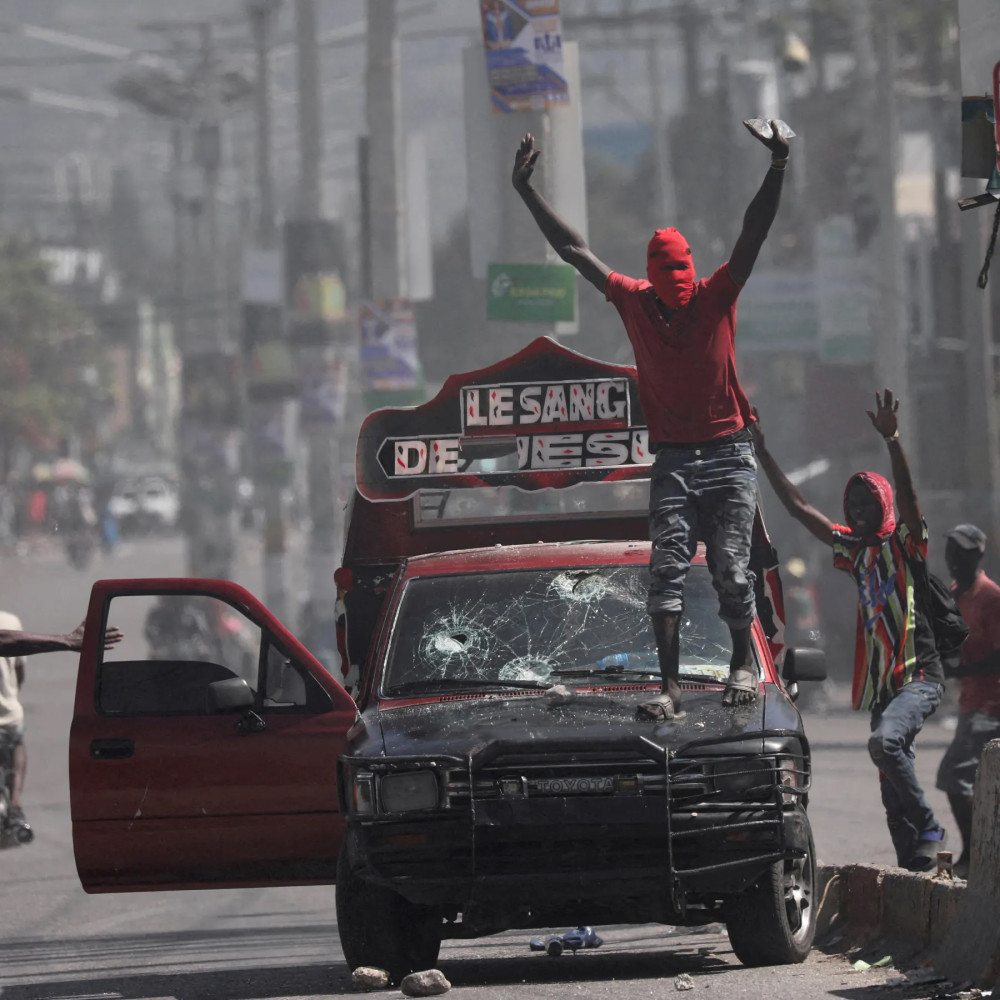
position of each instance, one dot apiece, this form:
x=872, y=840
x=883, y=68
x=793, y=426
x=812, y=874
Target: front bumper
x=572, y=823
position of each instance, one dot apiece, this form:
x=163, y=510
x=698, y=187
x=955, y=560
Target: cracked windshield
x=535, y=628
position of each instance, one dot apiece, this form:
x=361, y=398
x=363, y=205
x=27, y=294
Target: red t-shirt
x=686, y=368
x=980, y=607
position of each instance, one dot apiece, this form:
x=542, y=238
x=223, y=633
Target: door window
x=175, y=646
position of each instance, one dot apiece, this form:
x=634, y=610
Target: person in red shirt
x=978, y=598
x=704, y=477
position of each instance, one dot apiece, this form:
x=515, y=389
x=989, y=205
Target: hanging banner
x=314, y=288
x=389, y=360
x=524, y=57
x=323, y=395
x=268, y=365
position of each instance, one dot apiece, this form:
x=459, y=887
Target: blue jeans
x=707, y=492
x=893, y=730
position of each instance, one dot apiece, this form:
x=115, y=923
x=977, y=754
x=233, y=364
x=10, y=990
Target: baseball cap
x=968, y=536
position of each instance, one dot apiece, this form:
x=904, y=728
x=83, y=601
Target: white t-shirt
x=11, y=710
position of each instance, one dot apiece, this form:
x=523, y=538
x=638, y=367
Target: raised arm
x=793, y=501
x=885, y=421
x=762, y=209
x=565, y=240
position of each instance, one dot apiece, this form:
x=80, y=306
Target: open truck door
x=203, y=748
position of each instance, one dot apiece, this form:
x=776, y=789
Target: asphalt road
x=56, y=942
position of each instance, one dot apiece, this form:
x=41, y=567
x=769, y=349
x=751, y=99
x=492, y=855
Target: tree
x=50, y=375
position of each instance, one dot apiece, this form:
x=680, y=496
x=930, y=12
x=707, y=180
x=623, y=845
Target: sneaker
x=925, y=851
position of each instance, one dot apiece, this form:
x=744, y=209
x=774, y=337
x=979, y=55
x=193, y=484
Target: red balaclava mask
x=881, y=489
x=673, y=287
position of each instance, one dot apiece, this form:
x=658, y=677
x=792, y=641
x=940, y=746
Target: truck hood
x=460, y=725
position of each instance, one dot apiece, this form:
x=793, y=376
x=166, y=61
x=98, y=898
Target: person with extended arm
x=703, y=481
x=15, y=644
x=898, y=675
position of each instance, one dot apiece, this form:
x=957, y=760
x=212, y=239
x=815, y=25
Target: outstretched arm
x=15, y=643
x=884, y=420
x=793, y=501
x=762, y=209
x=565, y=240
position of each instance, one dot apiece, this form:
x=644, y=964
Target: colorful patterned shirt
x=894, y=644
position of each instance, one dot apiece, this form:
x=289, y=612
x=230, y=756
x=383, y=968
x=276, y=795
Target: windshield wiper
x=413, y=687
x=610, y=672
x=696, y=678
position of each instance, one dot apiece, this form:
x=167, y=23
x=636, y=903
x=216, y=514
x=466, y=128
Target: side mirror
x=230, y=695
x=804, y=663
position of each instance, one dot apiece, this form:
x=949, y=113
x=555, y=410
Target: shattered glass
x=527, y=627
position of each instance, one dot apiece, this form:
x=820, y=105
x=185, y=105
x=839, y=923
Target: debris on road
x=365, y=978
x=555, y=944
x=683, y=982
x=430, y=983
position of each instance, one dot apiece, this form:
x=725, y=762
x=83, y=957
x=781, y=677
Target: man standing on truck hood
x=704, y=477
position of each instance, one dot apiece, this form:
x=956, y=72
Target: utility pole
x=875, y=48
x=208, y=434
x=382, y=86
x=310, y=111
x=981, y=437
x=322, y=436
x=271, y=416
x=664, y=174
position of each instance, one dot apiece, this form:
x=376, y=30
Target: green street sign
x=531, y=293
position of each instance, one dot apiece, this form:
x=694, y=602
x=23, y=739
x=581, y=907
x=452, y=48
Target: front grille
x=592, y=775
x=629, y=810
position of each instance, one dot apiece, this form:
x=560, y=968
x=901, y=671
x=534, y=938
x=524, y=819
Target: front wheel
x=381, y=929
x=774, y=921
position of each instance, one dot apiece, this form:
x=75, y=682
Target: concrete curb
x=911, y=913
x=956, y=923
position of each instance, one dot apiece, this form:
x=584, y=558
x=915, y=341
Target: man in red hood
x=704, y=477
x=898, y=674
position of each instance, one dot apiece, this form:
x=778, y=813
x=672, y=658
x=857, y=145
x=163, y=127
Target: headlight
x=790, y=775
x=409, y=791
x=741, y=776
x=363, y=794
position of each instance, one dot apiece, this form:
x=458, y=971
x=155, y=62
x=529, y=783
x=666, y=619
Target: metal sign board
x=531, y=293
x=564, y=417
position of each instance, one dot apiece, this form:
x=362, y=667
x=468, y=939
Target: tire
x=381, y=929
x=773, y=922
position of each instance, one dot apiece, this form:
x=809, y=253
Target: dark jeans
x=890, y=745
x=706, y=491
